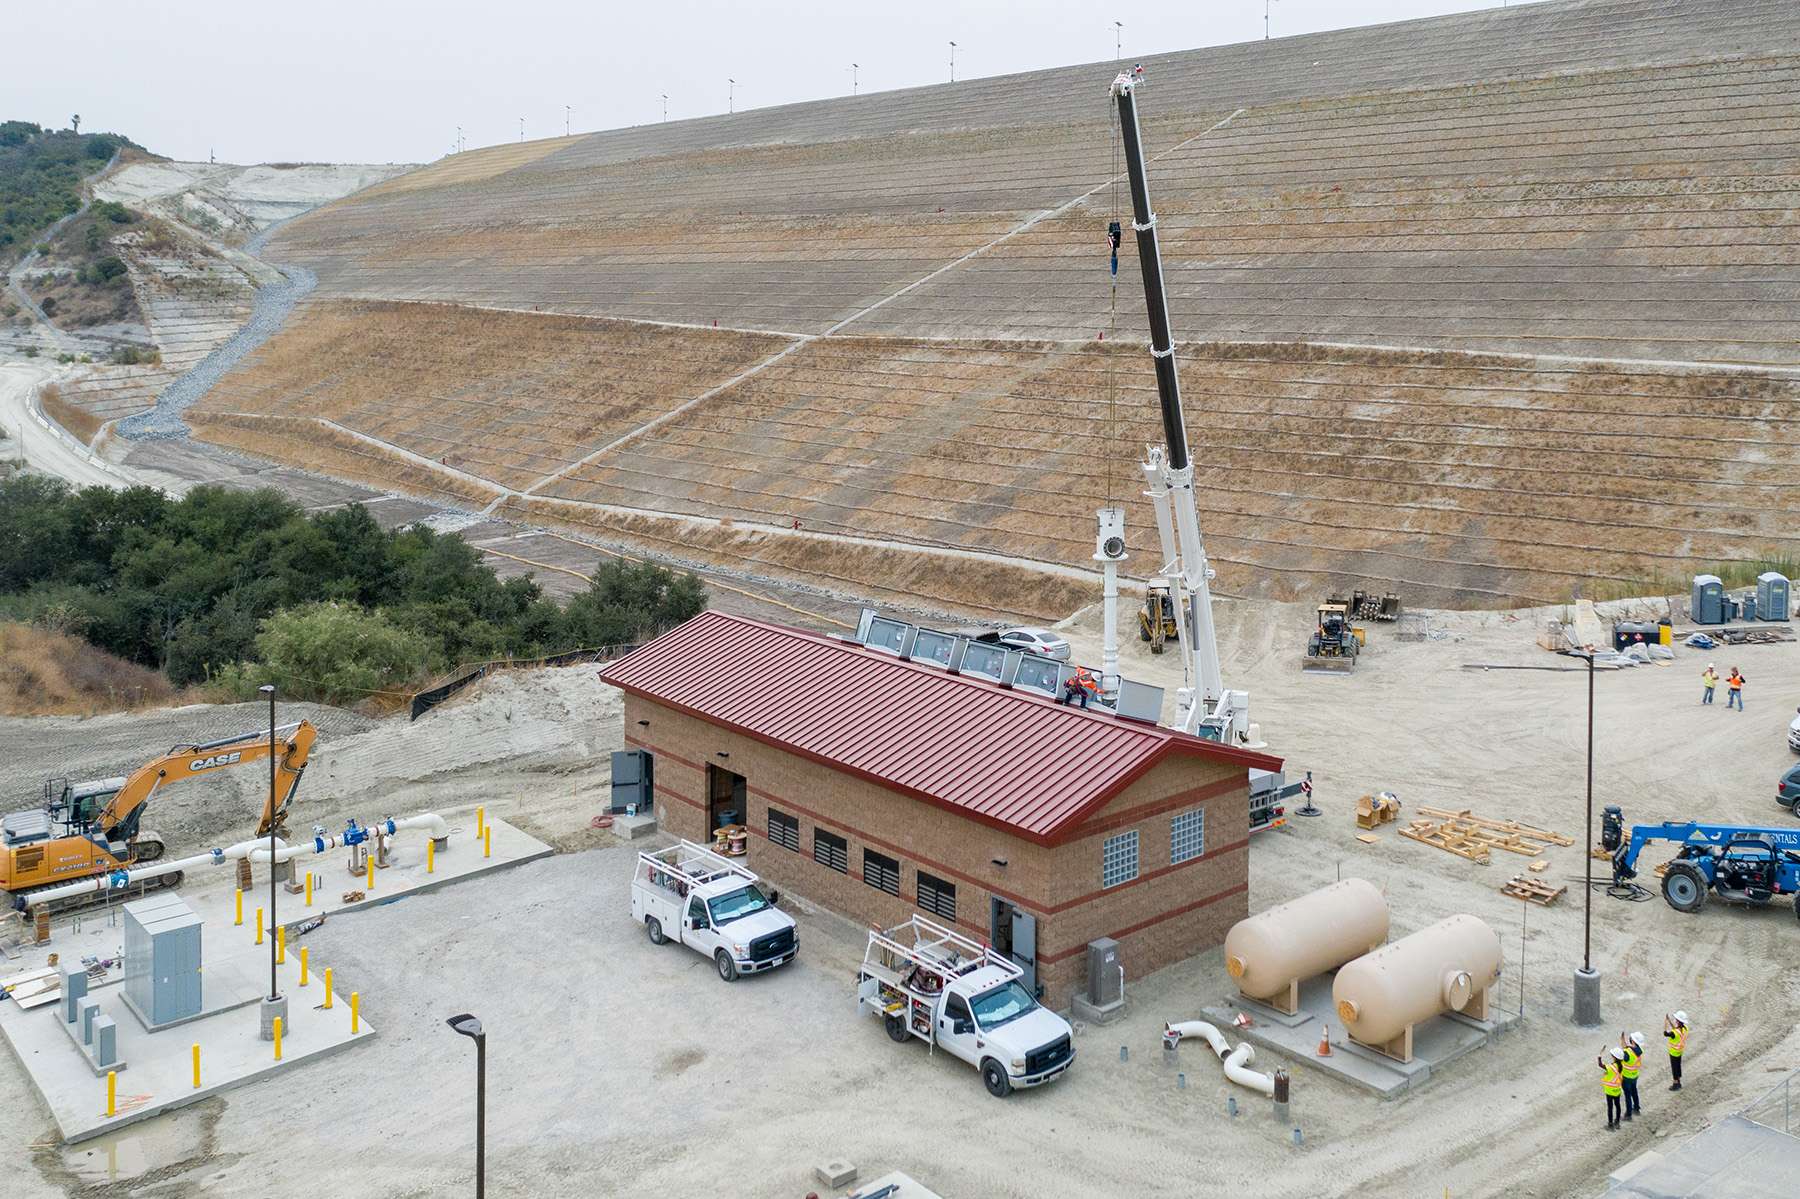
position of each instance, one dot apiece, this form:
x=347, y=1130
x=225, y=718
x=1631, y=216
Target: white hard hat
x=1637, y=1038
x=1617, y=1054
x=1681, y=1017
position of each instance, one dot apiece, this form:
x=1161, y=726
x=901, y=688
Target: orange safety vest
x=1735, y=682
x=1677, y=1041
x=1631, y=1062
x=1609, y=1080
x=1081, y=678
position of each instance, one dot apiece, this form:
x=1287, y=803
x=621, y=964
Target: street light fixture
x=470, y=1027
x=1119, y=39
x=731, y=96
x=1587, y=979
x=952, y=62
x=1266, y=4
x=665, y=110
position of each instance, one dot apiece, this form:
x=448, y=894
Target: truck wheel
x=1684, y=887
x=653, y=926
x=727, y=967
x=896, y=1025
x=998, y=1084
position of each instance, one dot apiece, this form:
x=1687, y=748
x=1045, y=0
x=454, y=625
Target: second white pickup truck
x=712, y=904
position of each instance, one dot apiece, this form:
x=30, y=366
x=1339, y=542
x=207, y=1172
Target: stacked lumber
x=1531, y=890
x=1472, y=837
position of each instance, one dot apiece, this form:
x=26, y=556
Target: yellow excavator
x=91, y=828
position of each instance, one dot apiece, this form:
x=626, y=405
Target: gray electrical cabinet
x=1771, y=596
x=162, y=959
x=633, y=781
x=1708, y=606
x=1106, y=979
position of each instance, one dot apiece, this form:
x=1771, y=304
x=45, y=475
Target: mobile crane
x=1737, y=863
x=1203, y=707
x=92, y=828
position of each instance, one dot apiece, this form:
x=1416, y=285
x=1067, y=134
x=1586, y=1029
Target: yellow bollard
x=112, y=1092
x=303, y=965
x=278, y=1038
x=371, y=872
x=480, y=820
x=259, y=926
x=327, y=1002
x=430, y=855
x=196, y=1067
x=309, y=888
x=353, y=1012
x=487, y=842
x=281, y=945
x=240, y=914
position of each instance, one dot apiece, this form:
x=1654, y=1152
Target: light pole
x=568, y=119
x=470, y=1027
x=853, y=67
x=952, y=62
x=1266, y=4
x=274, y=1007
x=1587, y=979
x=731, y=96
x=521, y=128
x=1118, y=39
x=665, y=110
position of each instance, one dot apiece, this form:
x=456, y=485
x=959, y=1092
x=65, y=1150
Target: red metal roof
x=1007, y=758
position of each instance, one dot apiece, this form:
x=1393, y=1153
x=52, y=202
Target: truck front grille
x=1051, y=1055
x=772, y=946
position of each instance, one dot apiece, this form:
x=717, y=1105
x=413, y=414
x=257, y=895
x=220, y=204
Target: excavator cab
x=76, y=806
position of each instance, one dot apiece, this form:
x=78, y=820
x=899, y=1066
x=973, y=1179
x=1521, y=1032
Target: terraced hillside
x=1487, y=305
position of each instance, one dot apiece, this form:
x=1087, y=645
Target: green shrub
x=336, y=653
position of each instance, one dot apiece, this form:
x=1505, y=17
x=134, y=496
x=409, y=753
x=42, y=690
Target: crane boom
x=1203, y=706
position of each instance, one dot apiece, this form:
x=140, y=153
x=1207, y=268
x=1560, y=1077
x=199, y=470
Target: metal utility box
x=633, y=781
x=1747, y=606
x=1771, y=596
x=1708, y=604
x=1106, y=976
x=162, y=959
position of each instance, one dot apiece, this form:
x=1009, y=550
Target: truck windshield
x=736, y=905
x=996, y=1007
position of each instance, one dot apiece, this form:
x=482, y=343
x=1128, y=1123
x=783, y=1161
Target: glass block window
x=831, y=850
x=1119, y=859
x=784, y=830
x=881, y=872
x=937, y=896
x=1187, y=837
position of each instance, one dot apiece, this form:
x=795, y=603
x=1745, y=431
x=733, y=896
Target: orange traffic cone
x=1242, y=1020
x=1324, y=1043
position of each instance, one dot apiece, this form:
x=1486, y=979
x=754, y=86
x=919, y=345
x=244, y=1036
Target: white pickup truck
x=688, y=893
x=930, y=982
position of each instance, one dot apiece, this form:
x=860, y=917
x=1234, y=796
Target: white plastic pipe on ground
x=1235, y=1060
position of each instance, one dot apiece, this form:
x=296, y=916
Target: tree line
x=239, y=588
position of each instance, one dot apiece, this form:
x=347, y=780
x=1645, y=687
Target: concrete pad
x=630, y=828
x=1734, y=1159
x=1436, y=1042
x=904, y=1188
x=161, y=1075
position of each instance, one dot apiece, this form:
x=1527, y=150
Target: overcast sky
x=390, y=81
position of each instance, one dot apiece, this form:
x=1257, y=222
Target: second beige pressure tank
x=1269, y=953
x=1447, y=967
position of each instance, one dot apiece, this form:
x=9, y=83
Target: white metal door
x=1024, y=946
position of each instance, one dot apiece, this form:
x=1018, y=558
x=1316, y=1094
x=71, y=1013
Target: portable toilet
x=1771, y=596
x=1708, y=606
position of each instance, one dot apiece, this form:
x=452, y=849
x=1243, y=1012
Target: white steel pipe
x=1234, y=1060
x=1235, y=1070
x=1173, y=1033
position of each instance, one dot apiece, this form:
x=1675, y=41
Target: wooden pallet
x=1458, y=843
x=1509, y=835
x=1532, y=890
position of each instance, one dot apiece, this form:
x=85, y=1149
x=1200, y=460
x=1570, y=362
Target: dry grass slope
x=44, y=673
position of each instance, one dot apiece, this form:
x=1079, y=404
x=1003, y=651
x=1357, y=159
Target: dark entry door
x=727, y=797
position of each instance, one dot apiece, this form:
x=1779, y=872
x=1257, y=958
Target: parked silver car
x=1033, y=641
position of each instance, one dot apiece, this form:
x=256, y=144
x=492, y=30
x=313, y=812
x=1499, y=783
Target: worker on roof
x=1611, y=1081
x=1079, y=685
x=1709, y=679
x=1735, y=699
x=1633, y=1048
x=1675, y=1028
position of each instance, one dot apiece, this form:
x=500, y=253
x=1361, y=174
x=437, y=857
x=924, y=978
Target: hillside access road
x=47, y=448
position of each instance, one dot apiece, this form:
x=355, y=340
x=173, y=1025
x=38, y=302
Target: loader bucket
x=1322, y=665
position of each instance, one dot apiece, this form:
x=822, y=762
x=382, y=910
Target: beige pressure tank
x=1269, y=953
x=1447, y=967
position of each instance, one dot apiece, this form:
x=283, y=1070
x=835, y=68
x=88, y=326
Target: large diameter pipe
x=1443, y=968
x=1269, y=951
x=1233, y=1060
x=1173, y=1033
x=1235, y=1070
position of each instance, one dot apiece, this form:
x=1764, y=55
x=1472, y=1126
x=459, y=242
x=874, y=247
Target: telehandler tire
x=1684, y=887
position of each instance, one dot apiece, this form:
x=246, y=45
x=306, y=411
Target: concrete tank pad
x=1436, y=1042
x=161, y=1077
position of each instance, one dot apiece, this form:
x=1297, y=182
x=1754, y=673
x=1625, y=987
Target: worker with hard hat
x=1709, y=679
x=1675, y=1028
x=1633, y=1048
x=1612, y=1082
x=1079, y=687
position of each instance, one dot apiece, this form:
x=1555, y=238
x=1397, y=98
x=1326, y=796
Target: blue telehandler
x=1737, y=863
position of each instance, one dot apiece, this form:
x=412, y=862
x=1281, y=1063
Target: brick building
x=878, y=787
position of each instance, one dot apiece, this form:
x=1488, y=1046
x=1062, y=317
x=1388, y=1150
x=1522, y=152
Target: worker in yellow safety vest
x=1675, y=1028
x=1610, y=1082
x=1633, y=1048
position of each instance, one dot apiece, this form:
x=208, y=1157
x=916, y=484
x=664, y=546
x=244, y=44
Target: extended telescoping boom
x=1203, y=706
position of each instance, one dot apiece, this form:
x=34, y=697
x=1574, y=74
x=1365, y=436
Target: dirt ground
x=619, y=1066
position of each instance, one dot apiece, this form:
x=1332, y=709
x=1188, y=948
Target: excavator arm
x=118, y=821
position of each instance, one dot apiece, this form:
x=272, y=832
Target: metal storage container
x=1708, y=605
x=162, y=959
x=1771, y=596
